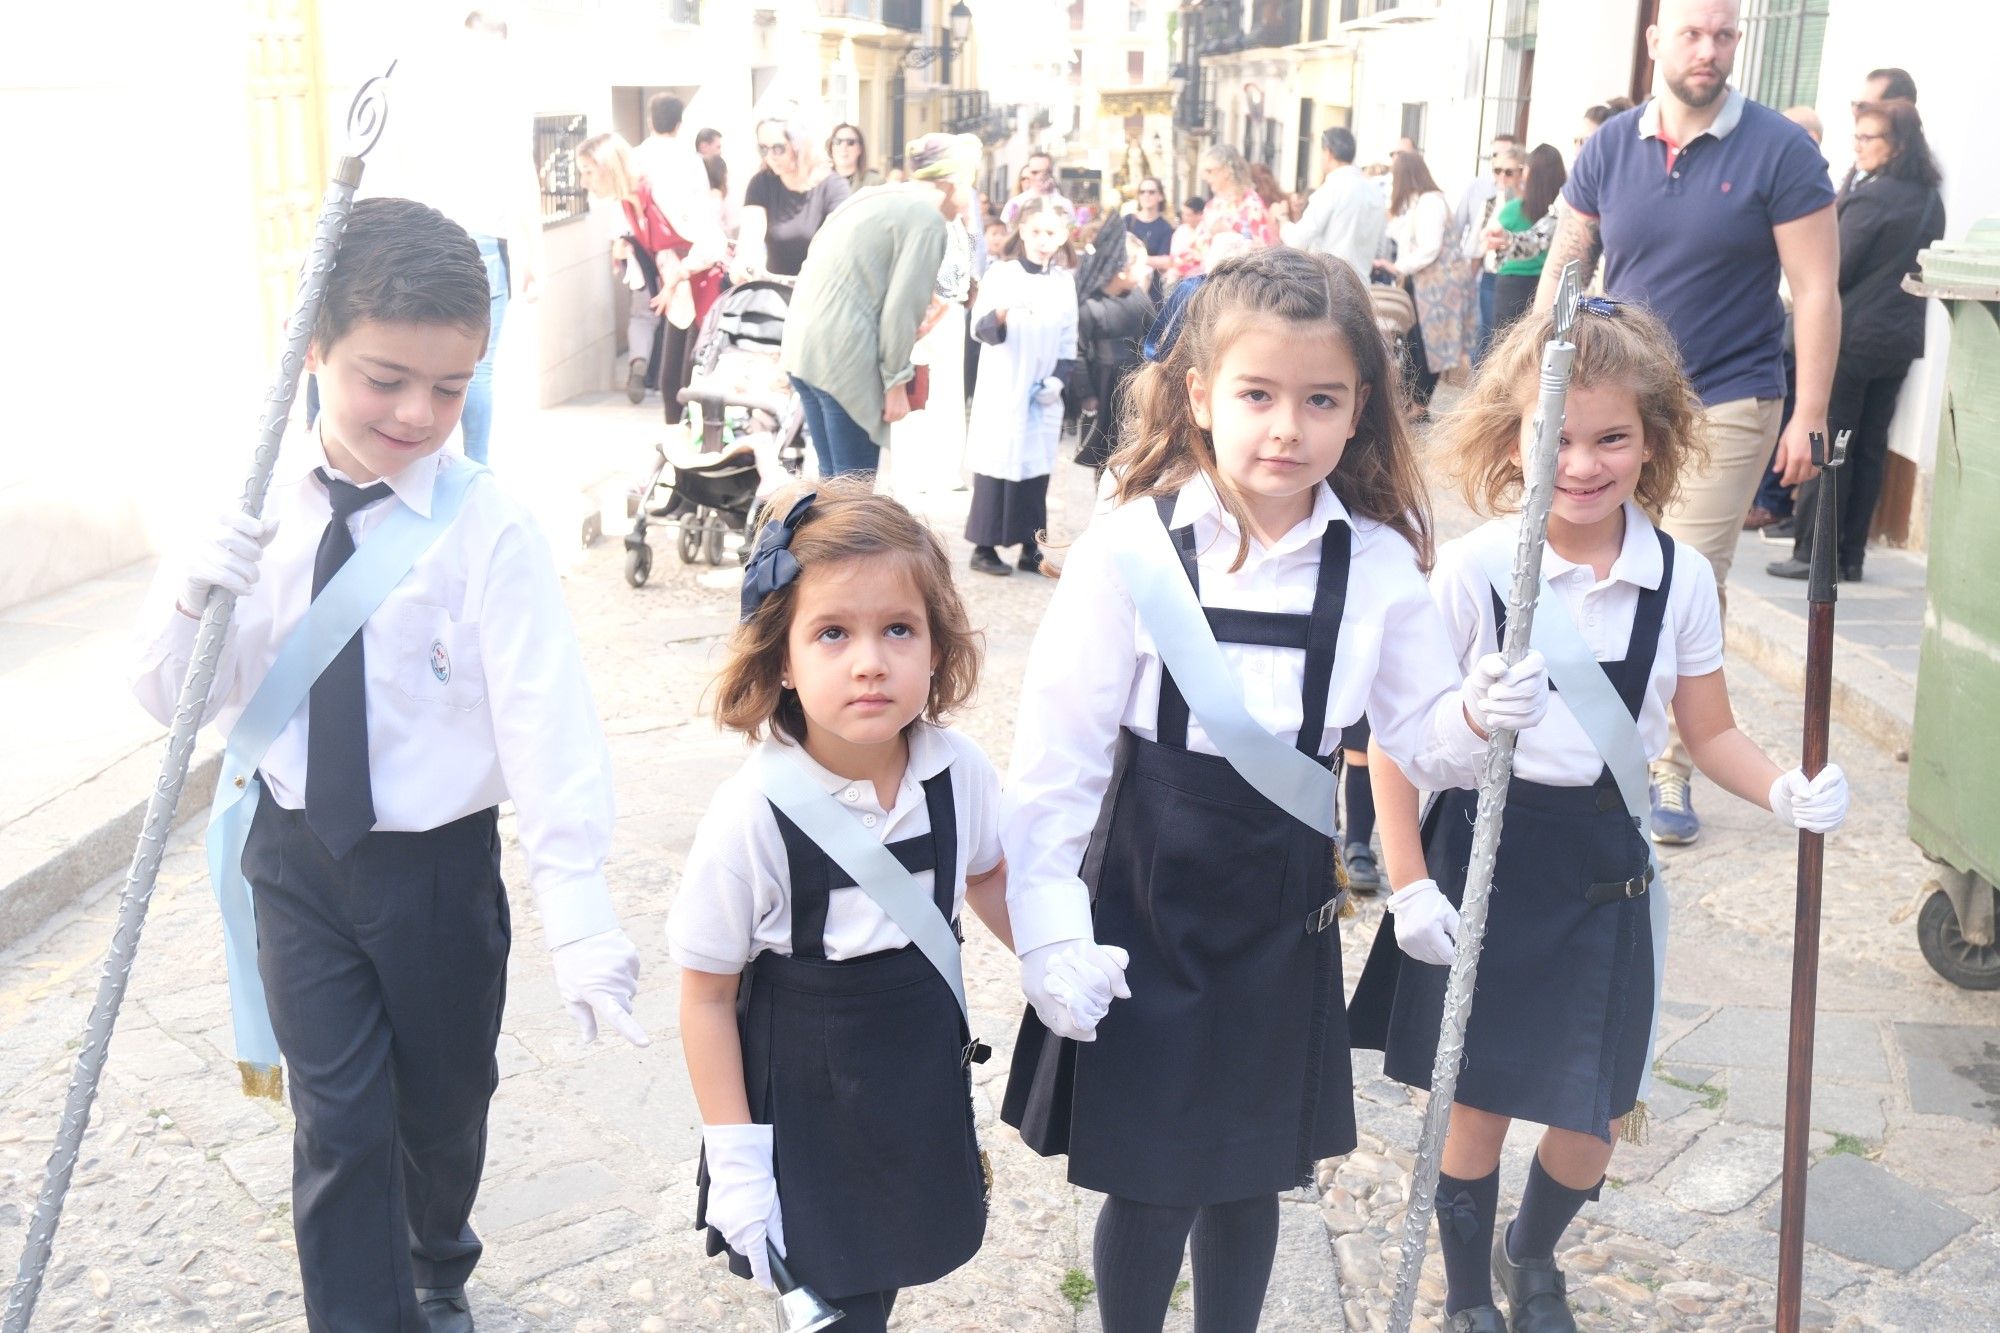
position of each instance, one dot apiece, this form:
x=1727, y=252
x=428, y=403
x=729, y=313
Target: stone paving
x=179, y=1214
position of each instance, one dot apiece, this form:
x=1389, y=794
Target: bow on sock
x=1460, y=1212
x=773, y=566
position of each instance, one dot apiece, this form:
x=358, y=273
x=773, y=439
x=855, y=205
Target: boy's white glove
x=1049, y=392
x=597, y=976
x=1426, y=922
x=743, y=1194
x=1071, y=984
x=1815, y=805
x=227, y=558
x=1496, y=696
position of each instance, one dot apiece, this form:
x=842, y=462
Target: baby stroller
x=751, y=438
x=1395, y=315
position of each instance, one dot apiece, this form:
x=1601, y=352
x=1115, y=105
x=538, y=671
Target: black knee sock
x=1137, y=1256
x=1547, y=1208
x=1234, y=1244
x=1465, y=1211
x=1360, y=806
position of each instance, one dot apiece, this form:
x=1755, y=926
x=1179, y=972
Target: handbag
x=918, y=390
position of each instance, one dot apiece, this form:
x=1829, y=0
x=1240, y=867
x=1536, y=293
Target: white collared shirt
x=475, y=689
x=1557, y=751
x=1344, y=218
x=1094, y=669
x=735, y=897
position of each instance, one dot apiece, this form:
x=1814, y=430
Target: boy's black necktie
x=340, y=805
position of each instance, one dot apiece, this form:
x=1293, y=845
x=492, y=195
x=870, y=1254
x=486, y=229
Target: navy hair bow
x=773, y=566
x=1597, y=305
x=1167, y=324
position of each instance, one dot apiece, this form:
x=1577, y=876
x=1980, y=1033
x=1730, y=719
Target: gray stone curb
x=85, y=835
x=1867, y=697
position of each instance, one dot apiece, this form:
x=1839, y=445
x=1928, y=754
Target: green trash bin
x=1955, y=745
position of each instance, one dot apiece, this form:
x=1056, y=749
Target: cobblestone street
x=179, y=1213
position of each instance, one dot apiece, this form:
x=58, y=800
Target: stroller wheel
x=638, y=564
x=690, y=537
x=716, y=528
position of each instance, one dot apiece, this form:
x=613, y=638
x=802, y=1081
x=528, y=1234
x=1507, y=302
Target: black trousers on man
x=386, y=972
x=1863, y=400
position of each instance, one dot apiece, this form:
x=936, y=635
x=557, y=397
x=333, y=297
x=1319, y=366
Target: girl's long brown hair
x=1312, y=293
x=847, y=521
x=1480, y=438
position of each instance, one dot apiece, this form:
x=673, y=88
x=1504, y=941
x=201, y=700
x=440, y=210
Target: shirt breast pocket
x=437, y=658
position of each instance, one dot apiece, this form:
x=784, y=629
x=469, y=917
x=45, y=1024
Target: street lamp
x=959, y=22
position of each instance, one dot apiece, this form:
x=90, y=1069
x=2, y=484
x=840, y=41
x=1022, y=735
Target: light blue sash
x=334, y=617
x=785, y=781
x=1595, y=704
x=1283, y=774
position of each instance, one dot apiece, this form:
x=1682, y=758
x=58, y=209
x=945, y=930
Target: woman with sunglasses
x=1150, y=223
x=787, y=200
x=1518, y=241
x=848, y=151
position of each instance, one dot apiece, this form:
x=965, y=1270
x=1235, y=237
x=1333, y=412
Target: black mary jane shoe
x=1536, y=1291
x=986, y=560
x=444, y=1309
x=1477, y=1319
x=1850, y=573
x=1031, y=560
x=1364, y=877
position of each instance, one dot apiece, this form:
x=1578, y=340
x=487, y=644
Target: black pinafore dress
x=1562, y=1015
x=860, y=1068
x=1226, y=1075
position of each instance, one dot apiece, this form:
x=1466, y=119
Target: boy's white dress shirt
x=475, y=687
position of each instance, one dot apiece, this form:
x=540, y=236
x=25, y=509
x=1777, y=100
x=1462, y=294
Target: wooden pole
x=1821, y=591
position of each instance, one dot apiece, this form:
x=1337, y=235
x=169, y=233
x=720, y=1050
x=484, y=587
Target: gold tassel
x=1638, y=1125
x=262, y=1080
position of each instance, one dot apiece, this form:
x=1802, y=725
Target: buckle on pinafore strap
x=1323, y=916
x=1619, y=890
x=976, y=1052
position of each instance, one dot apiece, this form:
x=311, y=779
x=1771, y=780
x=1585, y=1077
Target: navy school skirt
x=859, y=1068
x=1562, y=1011
x=1226, y=1075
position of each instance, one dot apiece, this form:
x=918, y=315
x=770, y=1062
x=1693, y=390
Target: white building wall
x=1435, y=61
x=1583, y=57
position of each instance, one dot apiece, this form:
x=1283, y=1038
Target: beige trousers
x=1709, y=514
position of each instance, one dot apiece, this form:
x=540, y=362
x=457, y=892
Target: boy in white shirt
x=381, y=926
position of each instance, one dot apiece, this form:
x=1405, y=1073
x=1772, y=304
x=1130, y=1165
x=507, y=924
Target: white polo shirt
x=1557, y=752
x=735, y=898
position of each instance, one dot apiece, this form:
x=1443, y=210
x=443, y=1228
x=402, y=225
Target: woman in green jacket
x=866, y=295
x=1520, y=235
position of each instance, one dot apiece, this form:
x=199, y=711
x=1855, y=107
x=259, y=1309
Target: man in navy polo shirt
x=1696, y=201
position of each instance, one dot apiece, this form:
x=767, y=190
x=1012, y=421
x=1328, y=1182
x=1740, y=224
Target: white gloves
x=226, y=559
x=1426, y=922
x=1071, y=984
x=1496, y=697
x=1816, y=805
x=1049, y=392
x=743, y=1194
x=597, y=977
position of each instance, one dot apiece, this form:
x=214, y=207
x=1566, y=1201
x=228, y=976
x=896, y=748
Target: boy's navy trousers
x=385, y=971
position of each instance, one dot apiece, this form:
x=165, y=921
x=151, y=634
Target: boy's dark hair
x=1195, y=203
x=402, y=262
x=663, y=113
x=707, y=137
x=1897, y=85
